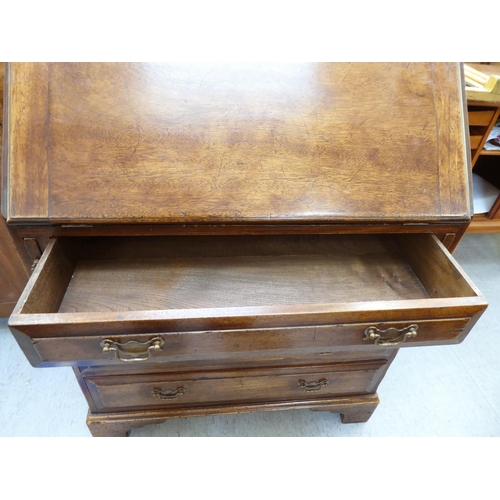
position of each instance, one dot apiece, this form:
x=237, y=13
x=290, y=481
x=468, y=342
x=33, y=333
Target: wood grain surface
x=252, y=150
x=26, y=187
x=352, y=409
x=275, y=384
x=202, y=272
x=251, y=360
x=380, y=280
x=14, y=261
x=217, y=346
x=14, y=270
x=233, y=143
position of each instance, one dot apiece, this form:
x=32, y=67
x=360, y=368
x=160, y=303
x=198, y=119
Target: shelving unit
x=481, y=224
x=489, y=152
x=482, y=118
x=483, y=101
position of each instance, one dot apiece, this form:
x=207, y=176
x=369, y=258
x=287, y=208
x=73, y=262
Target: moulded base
x=353, y=409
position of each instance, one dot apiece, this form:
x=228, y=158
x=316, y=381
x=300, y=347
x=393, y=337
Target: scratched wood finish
x=229, y=143
x=452, y=141
x=216, y=149
x=440, y=279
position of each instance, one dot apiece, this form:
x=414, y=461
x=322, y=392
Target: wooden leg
x=354, y=413
x=108, y=429
x=120, y=424
x=357, y=415
x=352, y=408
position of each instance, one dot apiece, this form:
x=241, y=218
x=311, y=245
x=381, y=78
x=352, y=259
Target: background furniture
x=233, y=238
x=483, y=113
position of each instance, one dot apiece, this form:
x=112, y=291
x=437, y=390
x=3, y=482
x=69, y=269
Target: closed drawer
x=238, y=386
x=123, y=300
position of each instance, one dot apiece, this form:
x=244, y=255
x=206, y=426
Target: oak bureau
x=226, y=238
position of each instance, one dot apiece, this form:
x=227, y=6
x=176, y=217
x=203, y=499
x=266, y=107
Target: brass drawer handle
x=313, y=386
x=169, y=393
x=391, y=336
x=132, y=351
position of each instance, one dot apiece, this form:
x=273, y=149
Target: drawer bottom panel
x=256, y=385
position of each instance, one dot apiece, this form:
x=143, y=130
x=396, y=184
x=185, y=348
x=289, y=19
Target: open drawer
x=146, y=299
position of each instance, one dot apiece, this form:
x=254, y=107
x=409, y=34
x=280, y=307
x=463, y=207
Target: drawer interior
x=255, y=275
x=171, y=273
x=151, y=273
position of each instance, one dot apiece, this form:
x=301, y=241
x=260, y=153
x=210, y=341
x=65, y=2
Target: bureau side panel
x=14, y=264
x=26, y=141
x=14, y=272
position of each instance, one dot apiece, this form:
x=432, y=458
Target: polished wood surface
x=353, y=409
x=481, y=224
x=453, y=295
x=236, y=230
x=251, y=360
x=212, y=387
x=14, y=270
x=224, y=345
x=232, y=143
x=482, y=119
x=14, y=261
x=334, y=288
x=205, y=272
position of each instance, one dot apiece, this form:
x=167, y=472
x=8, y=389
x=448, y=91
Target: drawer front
x=280, y=384
x=140, y=300
x=300, y=341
